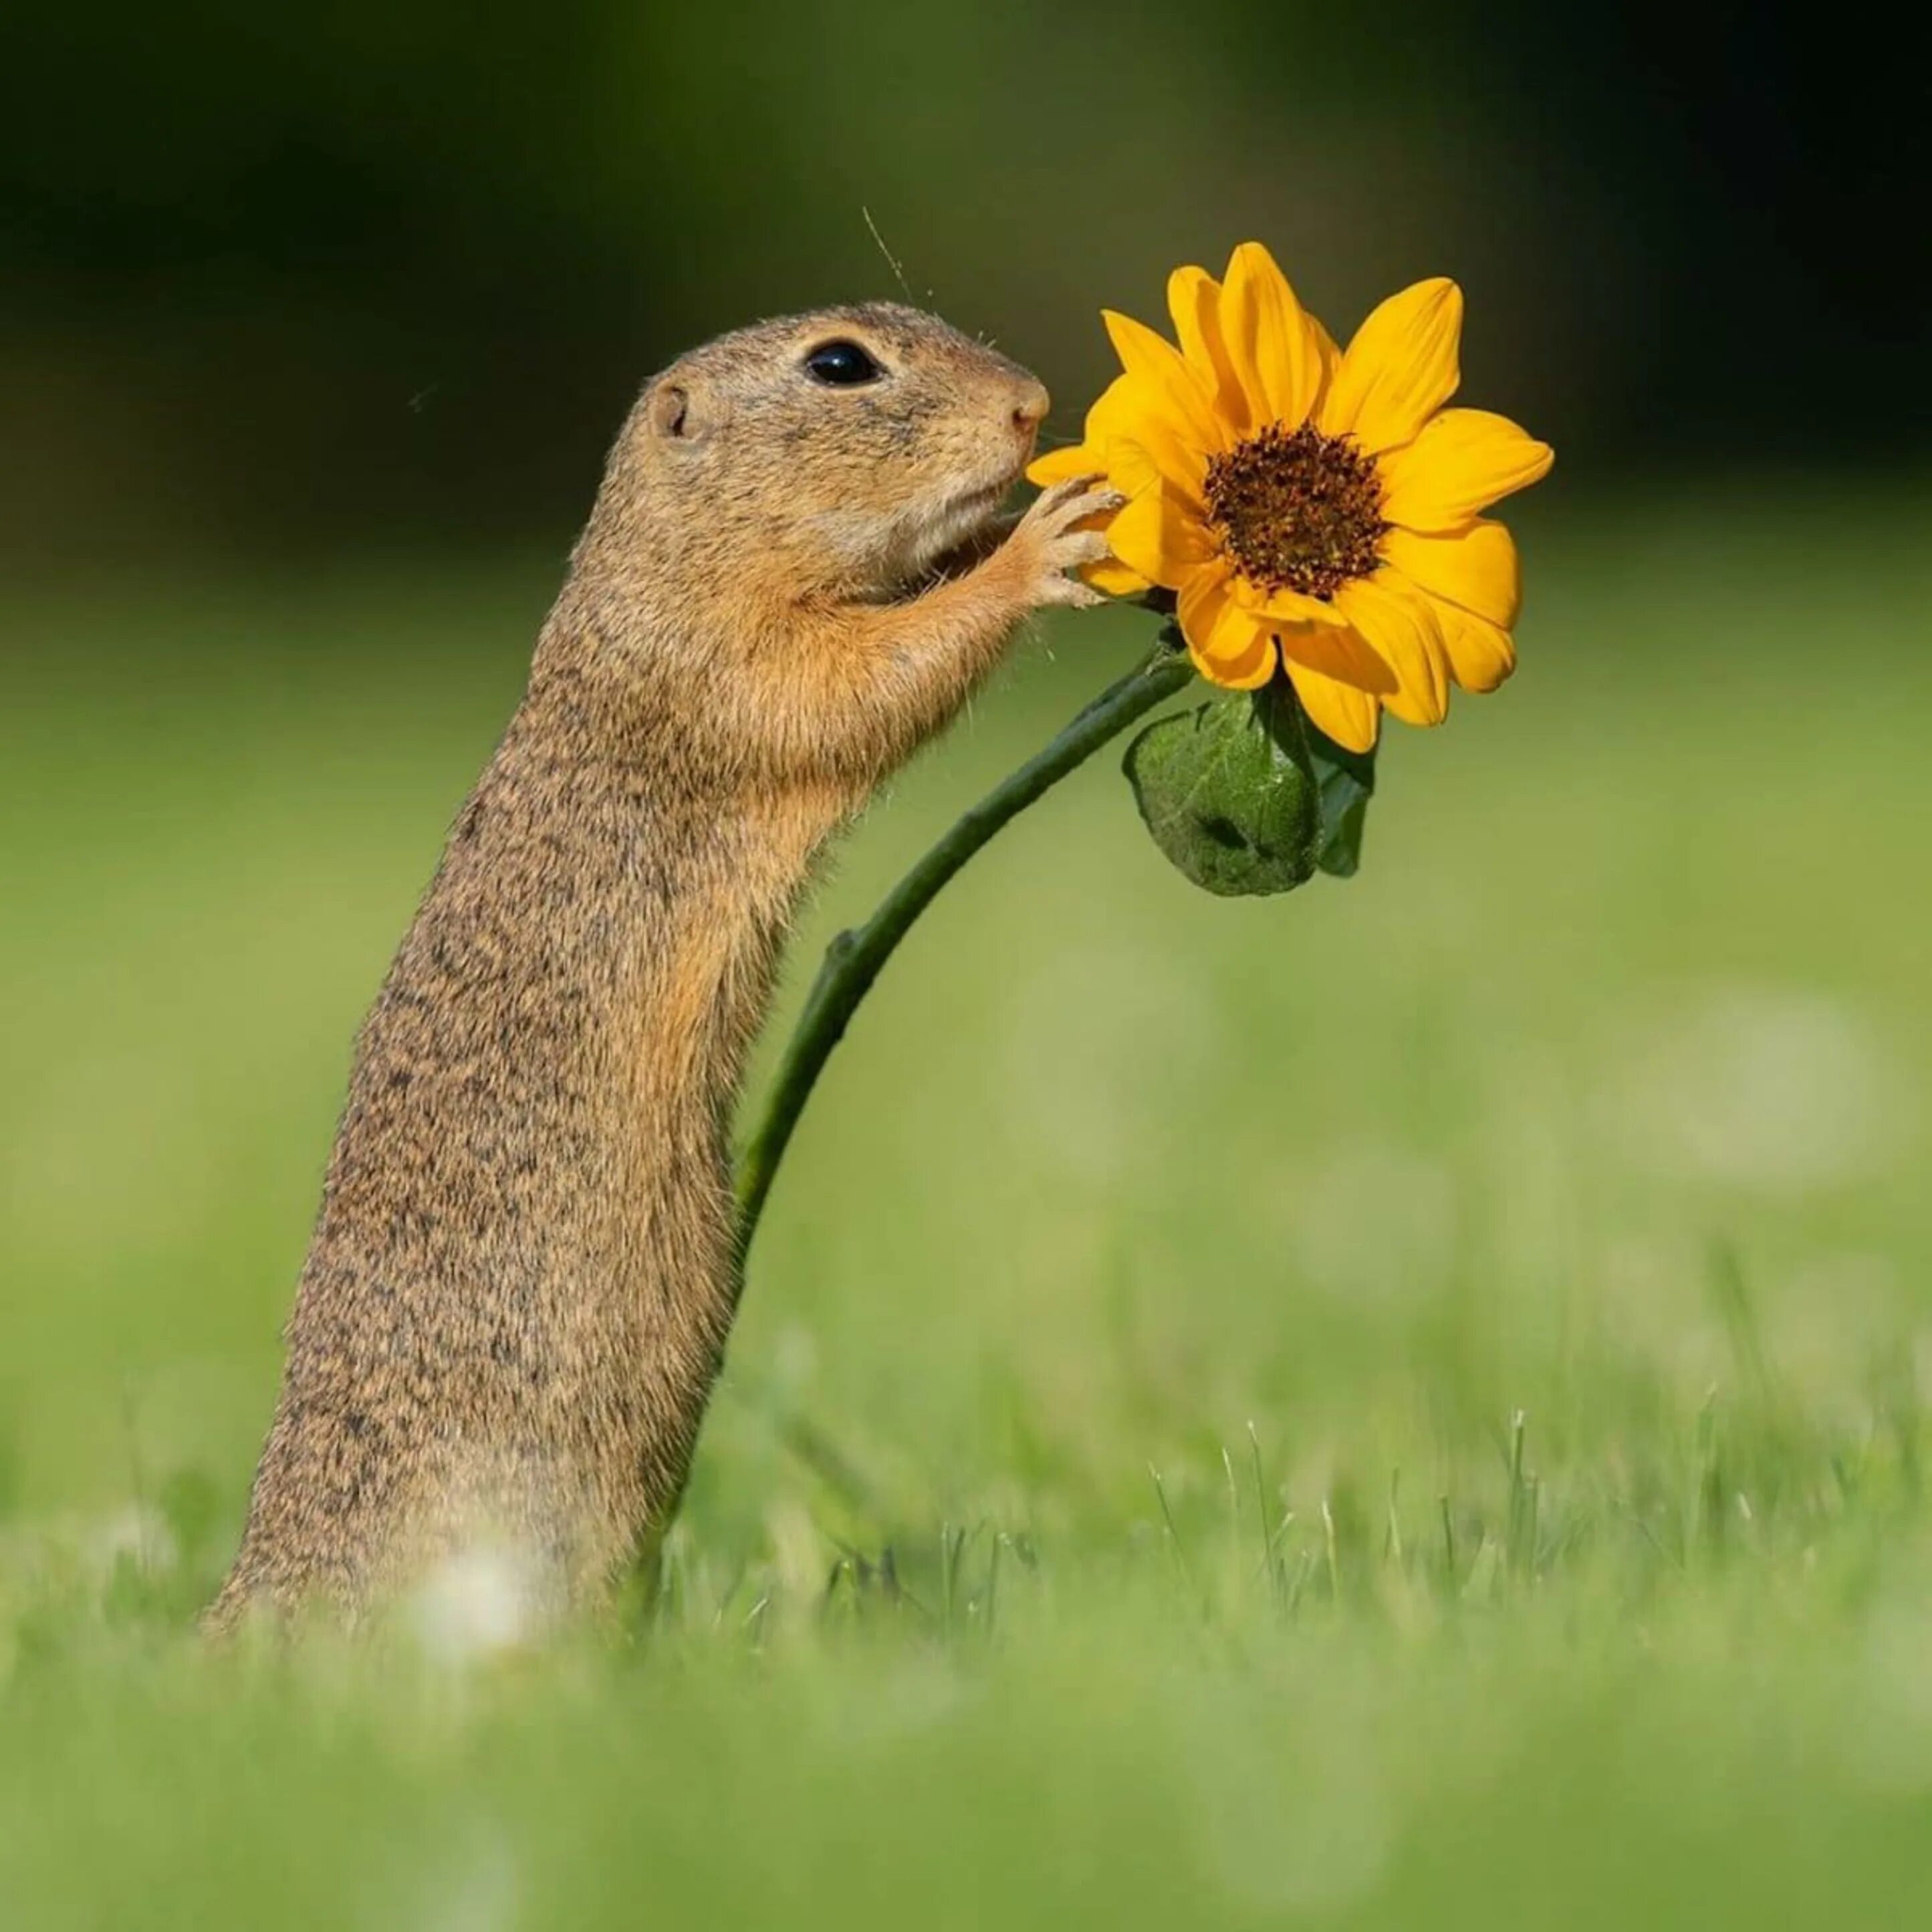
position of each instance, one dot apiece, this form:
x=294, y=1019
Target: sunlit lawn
x=1117, y=1509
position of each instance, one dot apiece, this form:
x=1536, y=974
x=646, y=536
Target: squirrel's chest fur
x=520, y=1284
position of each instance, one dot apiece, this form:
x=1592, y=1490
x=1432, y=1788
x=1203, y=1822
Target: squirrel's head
x=848, y=452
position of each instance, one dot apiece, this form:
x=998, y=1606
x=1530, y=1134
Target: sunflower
x=1309, y=506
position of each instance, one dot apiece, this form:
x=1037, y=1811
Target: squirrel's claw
x=1051, y=537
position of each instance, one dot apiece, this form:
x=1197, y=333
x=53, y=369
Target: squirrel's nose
x=1030, y=407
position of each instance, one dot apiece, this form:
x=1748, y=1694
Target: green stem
x=853, y=960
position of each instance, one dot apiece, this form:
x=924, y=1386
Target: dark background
x=280, y=281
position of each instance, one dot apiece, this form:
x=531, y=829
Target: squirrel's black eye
x=841, y=365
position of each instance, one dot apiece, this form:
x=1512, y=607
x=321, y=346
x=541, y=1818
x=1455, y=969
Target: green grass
x=1600, y=1099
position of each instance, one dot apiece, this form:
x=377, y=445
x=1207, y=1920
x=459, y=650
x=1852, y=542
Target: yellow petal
x=1476, y=568
x=1400, y=369
x=1194, y=301
x=1088, y=457
x=1272, y=345
x=1158, y=368
x=1062, y=465
x=1285, y=607
x=1114, y=406
x=1460, y=463
x=1157, y=536
x=1401, y=627
x=1114, y=580
x=1247, y=674
x=1129, y=409
x=1149, y=451
x=1339, y=653
x=1227, y=646
x=1480, y=653
x=1349, y=716
x=1325, y=343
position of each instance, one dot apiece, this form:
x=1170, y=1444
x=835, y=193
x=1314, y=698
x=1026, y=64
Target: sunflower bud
x=1230, y=793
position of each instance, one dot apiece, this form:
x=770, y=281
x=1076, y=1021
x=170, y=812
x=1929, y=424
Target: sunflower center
x=1296, y=510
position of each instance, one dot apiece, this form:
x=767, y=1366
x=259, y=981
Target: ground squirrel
x=517, y=1297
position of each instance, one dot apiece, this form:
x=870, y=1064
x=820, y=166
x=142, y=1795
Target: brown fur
x=517, y=1295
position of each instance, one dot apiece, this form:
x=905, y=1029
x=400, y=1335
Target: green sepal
x=1347, y=782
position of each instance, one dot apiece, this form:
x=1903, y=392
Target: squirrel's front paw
x=1048, y=542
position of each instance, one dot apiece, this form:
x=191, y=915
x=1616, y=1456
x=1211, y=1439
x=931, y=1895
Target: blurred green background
x=1116, y=1502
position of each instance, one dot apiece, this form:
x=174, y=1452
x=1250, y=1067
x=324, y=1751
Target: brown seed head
x=1297, y=510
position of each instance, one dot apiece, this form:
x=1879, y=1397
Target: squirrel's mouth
x=964, y=533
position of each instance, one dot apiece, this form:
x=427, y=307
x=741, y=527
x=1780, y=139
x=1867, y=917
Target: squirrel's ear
x=673, y=414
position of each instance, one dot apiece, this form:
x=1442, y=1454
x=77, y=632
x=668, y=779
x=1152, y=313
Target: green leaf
x=1230, y=794
x=1347, y=780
